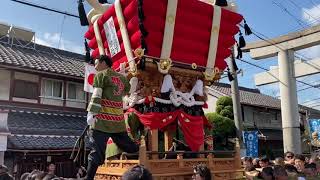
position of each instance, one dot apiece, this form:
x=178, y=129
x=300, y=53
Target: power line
x=314, y=4
x=298, y=7
x=266, y=70
x=310, y=100
x=271, y=42
x=45, y=8
x=301, y=23
x=311, y=86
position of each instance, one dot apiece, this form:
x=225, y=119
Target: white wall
x=25, y=100
x=26, y=77
x=4, y=84
x=51, y=101
x=212, y=100
x=211, y=104
x=75, y=104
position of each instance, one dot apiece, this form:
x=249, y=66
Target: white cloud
x=312, y=52
x=311, y=15
x=52, y=40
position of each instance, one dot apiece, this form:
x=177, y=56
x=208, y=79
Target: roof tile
x=42, y=59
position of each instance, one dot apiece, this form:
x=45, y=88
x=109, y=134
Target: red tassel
x=205, y=106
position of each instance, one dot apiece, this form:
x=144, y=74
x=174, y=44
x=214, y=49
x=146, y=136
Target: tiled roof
x=40, y=142
x=249, y=96
x=42, y=129
x=42, y=58
x=32, y=122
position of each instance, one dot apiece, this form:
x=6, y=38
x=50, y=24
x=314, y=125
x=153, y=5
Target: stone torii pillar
x=289, y=102
x=284, y=47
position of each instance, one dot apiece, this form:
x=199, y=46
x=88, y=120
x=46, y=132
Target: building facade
x=262, y=113
x=42, y=106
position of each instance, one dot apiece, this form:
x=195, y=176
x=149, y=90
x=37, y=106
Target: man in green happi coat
x=105, y=114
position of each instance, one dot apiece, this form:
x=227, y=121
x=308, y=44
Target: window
x=25, y=89
x=52, y=88
x=75, y=92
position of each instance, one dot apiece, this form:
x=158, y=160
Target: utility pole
x=237, y=113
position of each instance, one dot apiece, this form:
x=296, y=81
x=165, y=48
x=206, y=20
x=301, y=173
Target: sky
x=271, y=18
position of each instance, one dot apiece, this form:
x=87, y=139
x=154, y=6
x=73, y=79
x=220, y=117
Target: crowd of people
x=292, y=166
x=138, y=172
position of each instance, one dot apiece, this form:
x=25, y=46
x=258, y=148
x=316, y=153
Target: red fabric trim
x=109, y=103
x=110, y=117
x=192, y=126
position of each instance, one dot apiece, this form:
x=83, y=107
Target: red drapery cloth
x=191, y=126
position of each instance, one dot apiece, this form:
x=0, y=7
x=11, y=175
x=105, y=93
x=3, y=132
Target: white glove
x=91, y=119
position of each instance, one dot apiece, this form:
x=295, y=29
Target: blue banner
x=251, y=143
x=314, y=125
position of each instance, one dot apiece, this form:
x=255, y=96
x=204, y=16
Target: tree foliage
x=222, y=125
x=224, y=107
x=222, y=119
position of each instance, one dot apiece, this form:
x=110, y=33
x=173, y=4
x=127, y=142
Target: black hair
x=279, y=171
x=288, y=152
x=290, y=168
x=203, y=171
x=137, y=172
x=248, y=159
x=266, y=172
x=106, y=59
x=265, y=159
x=311, y=166
x=300, y=157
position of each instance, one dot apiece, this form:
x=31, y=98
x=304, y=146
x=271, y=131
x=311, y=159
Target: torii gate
x=284, y=47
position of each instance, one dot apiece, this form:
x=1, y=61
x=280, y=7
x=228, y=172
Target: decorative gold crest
x=134, y=71
x=139, y=53
x=164, y=65
x=212, y=76
x=194, y=66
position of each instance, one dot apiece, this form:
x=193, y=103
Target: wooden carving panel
x=159, y=165
x=150, y=80
x=107, y=177
x=194, y=163
x=223, y=165
x=114, y=165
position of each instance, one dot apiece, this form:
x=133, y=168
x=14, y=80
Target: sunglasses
x=289, y=156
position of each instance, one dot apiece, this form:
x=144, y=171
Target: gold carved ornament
x=212, y=76
x=139, y=53
x=164, y=65
x=134, y=72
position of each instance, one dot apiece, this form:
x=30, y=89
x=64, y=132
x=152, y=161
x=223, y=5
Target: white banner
x=112, y=38
x=90, y=72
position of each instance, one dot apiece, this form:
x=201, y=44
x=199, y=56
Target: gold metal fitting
x=134, y=71
x=164, y=65
x=194, y=66
x=215, y=75
x=139, y=53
